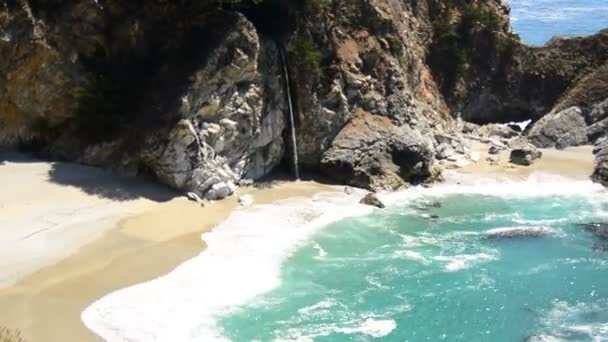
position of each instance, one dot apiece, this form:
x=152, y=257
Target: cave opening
x=271, y=18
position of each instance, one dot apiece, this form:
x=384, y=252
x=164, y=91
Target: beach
x=133, y=234
x=123, y=240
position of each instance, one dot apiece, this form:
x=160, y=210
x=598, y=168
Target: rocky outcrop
x=37, y=79
x=232, y=119
x=373, y=152
x=488, y=75
x=561, y=129
x=524, y=154
x=372, y=200
x=192, y=92
x=600, y=174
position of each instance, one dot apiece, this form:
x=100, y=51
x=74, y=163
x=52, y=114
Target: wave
x=566, y=321
x=536, y=185
x=369, y=327
x=464, y=261
x=242, y=259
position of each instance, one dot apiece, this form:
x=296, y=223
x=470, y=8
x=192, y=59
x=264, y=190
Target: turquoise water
x=538, y=20
x=430, y=271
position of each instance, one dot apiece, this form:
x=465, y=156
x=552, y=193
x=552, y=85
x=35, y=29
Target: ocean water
x=537, y=21
x=427, y=268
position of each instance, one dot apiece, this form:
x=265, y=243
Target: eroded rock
x=524, y=154
x=560, y=130
x=372, y=200
x=372, y=152
x=600, y=173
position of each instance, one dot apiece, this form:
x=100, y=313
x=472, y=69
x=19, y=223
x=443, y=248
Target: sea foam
x=244, y=257
x=242, y=260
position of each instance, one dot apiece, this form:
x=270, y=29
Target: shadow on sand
x=96, y=181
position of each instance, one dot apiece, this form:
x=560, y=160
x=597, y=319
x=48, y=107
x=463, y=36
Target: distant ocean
x=537, y=21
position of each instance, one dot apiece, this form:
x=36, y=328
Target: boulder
x=220, y=191
x=374, y=153
x=496, y=149
x=511, y=233
x=444, y=151
x=597, y=130
x=599, y=112
x=600, y=173
x=372, y=200
x=525, y=154
x=497, y=130
x=195, y=198
x=560, y=129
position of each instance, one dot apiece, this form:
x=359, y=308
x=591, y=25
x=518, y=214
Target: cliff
x=194, y=93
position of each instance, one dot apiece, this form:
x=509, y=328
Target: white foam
x=536, y=185
x=411, y=255
x=523, y=231
x=464, y=261
x=374, y=328
x=242, y=260
x=569, y=321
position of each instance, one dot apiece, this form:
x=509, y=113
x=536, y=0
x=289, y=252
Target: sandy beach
x=572, y=162
x=72, y=239
x=137, y=233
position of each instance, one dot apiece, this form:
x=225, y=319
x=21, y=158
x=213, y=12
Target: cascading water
x=294, y=140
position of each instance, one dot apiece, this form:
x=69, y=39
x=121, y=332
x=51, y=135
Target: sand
x=97, y=243
x=573, y=162
x=88, y=233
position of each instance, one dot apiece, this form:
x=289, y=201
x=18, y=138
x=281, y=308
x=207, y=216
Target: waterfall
x=294, y=140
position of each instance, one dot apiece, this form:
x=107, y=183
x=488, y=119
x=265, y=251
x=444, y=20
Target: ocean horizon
x=537, y=21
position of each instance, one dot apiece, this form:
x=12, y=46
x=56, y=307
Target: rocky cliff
x=194, y=92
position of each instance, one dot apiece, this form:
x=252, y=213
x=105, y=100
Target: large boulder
x=524, y=154
x=372, y=152
x=232, y=119
x=560, y=129
x=599, y=112
x=600, y=174
x=372, y=200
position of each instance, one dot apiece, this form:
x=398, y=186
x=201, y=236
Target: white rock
x=245, y=201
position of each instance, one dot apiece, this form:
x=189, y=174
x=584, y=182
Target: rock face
x=372, y=152
x=193, y=91
x=561, y=129
x=231, y=119
x=524, y=154
x=600, y=174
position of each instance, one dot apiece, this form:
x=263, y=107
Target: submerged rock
x=372, y=200
x=524, y=154
x=599, y=229
x=524, y=232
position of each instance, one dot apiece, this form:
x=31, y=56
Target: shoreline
x=143, y=243
x=151, y=243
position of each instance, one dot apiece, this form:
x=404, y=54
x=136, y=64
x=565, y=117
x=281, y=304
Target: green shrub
x=304, y=55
